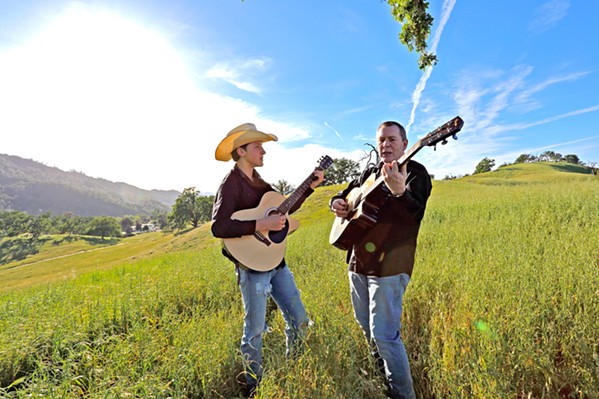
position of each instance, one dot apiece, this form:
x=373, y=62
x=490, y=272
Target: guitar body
x=363, y=204
x=249, y=250
x=264, y=250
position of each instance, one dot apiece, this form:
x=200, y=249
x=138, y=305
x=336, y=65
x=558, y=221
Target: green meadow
x=503, y=303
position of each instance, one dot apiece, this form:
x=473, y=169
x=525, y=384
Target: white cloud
x=240, y=72
x=461, y=157
x=520, y=126
x=566, y=146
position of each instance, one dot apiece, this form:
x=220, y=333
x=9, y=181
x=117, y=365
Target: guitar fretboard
x=296, y=195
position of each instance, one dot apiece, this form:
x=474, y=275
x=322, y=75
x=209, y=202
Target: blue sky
x=141, y=92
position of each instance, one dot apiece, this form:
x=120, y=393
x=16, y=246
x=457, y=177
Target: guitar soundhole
x=279, y=236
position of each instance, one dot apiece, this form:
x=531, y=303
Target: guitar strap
x=408, y=180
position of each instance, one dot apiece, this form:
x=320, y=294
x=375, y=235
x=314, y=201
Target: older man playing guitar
x=378, y=219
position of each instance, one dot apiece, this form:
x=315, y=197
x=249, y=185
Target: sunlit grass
x=503, y=303
x=62, y=258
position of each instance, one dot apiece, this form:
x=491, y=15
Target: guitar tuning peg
x=444, y=142
x=455, y=137
x=435, y=147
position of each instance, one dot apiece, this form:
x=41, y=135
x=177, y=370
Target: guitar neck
x=296, y=195
x=411, y=152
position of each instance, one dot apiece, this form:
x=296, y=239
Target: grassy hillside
x=503, y=303
x=531, y=173
x=64, y=257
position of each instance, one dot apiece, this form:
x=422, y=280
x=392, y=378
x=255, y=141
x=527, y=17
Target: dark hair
x=234, y=153
x=402, y=131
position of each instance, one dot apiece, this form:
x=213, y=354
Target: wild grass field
x=503, y=303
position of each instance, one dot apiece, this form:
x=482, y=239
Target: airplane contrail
x=445, y=13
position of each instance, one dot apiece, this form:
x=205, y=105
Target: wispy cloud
x=483, y=100
x=239, y=73
x=548, y=15
x=521, y=126
x=510, y=156
x=336, y=132
x=445, y=13
x=483, y=97
x=524, y=97
x=352, y=111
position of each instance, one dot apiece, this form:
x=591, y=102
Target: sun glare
x=97, y=92
x=92, y=76
x=98, y=63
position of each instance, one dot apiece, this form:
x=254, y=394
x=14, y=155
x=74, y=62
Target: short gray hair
x=402, y=131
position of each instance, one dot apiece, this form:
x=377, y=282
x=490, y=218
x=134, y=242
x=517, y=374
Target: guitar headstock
x=441, y=133
x=325, y=162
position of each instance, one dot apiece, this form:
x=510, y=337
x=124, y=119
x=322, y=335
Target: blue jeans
x=377, y=303
x=255, y=288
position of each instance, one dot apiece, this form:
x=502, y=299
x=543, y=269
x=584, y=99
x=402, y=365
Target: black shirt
x=389, y=247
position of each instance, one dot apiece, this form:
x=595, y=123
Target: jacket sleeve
x=224, y=206
x=410, y=206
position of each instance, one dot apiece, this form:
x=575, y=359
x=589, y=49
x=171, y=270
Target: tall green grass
x=503, y=303
x=508, y=291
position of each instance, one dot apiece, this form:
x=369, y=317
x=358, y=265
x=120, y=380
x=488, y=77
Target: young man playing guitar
x=381, y=261
x=241, y=189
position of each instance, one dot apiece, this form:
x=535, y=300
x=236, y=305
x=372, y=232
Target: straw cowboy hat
x=241, y=135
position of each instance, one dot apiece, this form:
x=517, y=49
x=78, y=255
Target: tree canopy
x=191, y=207
x=342, y=170
x=105, y=226
x=524, y=158
x=416, y=26
x=283, y=187
x=549, y=156
x=485, y=165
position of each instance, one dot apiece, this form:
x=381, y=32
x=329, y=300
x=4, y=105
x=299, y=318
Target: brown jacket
x=237, y=192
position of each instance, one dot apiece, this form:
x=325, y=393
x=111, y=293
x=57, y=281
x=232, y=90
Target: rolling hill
x=34, y=188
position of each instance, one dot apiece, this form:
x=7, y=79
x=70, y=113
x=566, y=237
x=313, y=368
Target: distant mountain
x=32, y=187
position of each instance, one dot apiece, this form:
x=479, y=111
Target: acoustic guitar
x=264, y=250
x=365, y=201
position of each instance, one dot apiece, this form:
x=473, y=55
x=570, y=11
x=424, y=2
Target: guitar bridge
x=260, y=237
